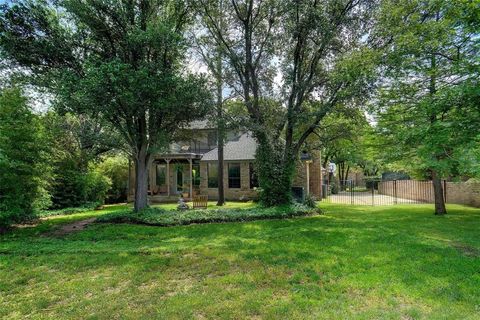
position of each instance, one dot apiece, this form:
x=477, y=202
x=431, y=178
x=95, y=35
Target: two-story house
x=191, y=168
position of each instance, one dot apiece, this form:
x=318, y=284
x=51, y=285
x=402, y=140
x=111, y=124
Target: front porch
x=170, y=176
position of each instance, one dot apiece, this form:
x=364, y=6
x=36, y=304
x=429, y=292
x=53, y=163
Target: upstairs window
x=212, y=138
x=234, y=175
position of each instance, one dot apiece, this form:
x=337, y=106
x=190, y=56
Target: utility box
x=298, y=194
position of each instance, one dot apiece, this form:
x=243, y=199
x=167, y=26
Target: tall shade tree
x=308, y=56
x=211, y=55
x=118, y=61
x=428, y=107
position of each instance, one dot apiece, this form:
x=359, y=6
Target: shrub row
x=162, y=217
x=71, y=210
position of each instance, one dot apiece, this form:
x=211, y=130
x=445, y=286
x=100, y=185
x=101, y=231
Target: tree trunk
x=436, y=180
x=141, y=181
x=220, y=131
x=440, y=208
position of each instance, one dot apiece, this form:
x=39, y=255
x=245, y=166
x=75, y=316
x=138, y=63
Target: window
x=253, y=177
x=196, y=175
x=212, y=173
x=161, y=174
x=179, y=178
x=234, y=175
x=212, y=138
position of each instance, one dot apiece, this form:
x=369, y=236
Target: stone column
x=190, y=163
x=167, y=176
x=307, y=171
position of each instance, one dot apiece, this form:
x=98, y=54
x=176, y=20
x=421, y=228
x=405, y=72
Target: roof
x=243, y=148
x=200, y=124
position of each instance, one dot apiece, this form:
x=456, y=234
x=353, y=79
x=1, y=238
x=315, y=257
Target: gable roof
x=242, y=148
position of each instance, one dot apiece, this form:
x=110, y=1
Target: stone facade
x=242, y=193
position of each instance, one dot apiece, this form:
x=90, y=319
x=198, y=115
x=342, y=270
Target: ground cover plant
x=160, y=216
x=352, y=262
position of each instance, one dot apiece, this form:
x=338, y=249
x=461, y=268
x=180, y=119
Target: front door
x=180, y=177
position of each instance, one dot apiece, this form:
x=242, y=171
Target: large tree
x=210, y=54
x=426, y=107
x=118, y=61
x=308, y=56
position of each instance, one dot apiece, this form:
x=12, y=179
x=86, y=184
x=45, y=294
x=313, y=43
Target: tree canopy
x=120, y=62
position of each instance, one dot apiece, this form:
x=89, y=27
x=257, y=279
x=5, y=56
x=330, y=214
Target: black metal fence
x=378, y=192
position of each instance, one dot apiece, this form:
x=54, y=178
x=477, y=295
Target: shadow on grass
x=349, y=253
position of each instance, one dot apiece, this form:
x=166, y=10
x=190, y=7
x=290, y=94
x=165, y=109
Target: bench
x=200, y=202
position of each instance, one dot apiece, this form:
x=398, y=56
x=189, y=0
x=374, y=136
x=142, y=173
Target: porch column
x=168, y=176
x=191, y=179
x=321, y=174
x=307, y=167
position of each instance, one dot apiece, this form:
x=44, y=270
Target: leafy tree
x=120, y=62
x=74, y=143
x=321, y=51
x=24, y=169
x=211, y=55
x=116, y=169
x=426, y=108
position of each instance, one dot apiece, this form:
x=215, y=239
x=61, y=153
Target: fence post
x=445, y=191
x=373, y=193
x=350, y=182
x=395, y=191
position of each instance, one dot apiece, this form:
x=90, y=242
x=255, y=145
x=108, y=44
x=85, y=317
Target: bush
x=116, y=169
x=65, y=211
x=162, y=217
x=310, y=201
x=74, y=188
x=95, y=187
x=334, y=187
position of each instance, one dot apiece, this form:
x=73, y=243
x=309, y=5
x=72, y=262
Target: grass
x=396, y=262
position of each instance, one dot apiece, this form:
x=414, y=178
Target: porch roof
x=173, y=156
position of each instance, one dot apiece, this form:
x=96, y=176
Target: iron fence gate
x=379, y=192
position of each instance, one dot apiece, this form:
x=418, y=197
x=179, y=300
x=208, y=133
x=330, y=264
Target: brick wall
x=315, y=175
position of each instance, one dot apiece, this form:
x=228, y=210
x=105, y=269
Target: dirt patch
x=72, y=227
x=467, y=250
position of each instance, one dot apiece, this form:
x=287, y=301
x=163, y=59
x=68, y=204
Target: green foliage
x=310, y=201
x=334, y=187
x=118, y=62
x=24, y=169
x=340, y=265
x=73, y=188
x=71, y=210
x=76, y=144
x=275, y=174
x=322, y=52
x=115, y=168
x=162, y=217
x=427, y=114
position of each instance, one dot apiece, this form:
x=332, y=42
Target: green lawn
x=397, y=262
